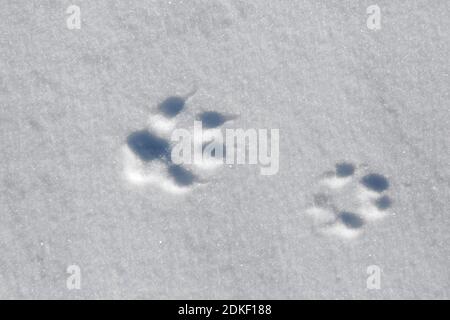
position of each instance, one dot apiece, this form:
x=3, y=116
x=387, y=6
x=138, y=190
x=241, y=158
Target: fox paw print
x=147, y=153
x=348, y=199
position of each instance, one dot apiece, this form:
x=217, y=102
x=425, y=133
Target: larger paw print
x=348, y=199
x=147, y=152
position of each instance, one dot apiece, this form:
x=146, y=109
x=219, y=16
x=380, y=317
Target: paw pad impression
x=147, y=152
x=347, y=200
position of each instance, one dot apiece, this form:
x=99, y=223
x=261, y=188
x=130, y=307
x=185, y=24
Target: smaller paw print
x=147, y=153
x=348, y=199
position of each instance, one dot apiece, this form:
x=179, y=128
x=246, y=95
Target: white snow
x=72, y=192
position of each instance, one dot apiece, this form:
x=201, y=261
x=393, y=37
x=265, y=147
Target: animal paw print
x=147, y=152
x=348, y=198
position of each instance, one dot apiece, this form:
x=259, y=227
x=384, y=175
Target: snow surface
x=336, y=90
